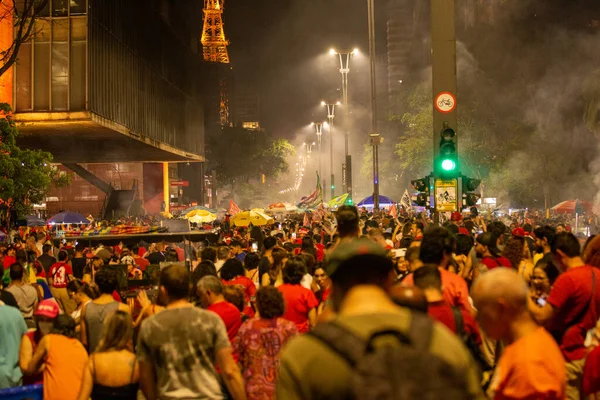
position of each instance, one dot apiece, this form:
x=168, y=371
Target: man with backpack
x=374, y=349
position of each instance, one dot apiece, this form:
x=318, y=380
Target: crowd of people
x=357, y=306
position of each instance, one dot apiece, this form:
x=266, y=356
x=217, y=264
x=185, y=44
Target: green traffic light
x=448, y=165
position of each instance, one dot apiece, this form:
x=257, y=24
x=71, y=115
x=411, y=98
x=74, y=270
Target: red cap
x=47, y=308
x=518, y=232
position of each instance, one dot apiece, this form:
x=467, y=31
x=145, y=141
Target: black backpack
x=468, y=340
x=403, y=371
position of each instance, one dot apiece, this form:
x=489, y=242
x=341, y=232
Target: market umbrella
x=200, y=216
x=68, y=217
x=34, y=220
x=255, y=218
x=194, y=208
x=383, y=202
x=573, y=206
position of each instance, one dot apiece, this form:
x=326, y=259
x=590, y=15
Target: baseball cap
x=47, y=308
x=351, y=249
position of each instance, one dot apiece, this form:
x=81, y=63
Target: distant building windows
x=251, y=125
x=51, y=68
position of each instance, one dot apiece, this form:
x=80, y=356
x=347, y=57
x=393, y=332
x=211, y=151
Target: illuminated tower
x=213, y=40
x=214, y=49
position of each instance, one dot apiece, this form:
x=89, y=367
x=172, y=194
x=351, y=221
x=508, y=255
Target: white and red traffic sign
x=445, y=102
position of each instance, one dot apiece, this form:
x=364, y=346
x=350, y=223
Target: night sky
x=282, y=46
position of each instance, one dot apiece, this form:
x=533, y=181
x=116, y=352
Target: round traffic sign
x=445, y=102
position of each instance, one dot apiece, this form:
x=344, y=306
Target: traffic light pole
x=443, y=58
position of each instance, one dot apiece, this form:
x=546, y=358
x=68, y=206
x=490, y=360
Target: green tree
x=240, y=155
x=26, y=175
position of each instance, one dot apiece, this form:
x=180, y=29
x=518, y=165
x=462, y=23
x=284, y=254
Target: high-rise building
x=247, y=107
x=111, y=89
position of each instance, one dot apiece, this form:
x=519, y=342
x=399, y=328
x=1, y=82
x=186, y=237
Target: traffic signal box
x=446, y=190
x=446, y=164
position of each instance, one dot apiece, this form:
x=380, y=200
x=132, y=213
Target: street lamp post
x=375, y=137
x=344, y=57
x=330, y=117
x=319, y=129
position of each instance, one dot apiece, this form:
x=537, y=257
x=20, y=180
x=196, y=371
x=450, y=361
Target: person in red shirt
x=233, y=273
x=301, y=303
x=572, y=308
x=318, y=239
x=436, y=250
x=139, y=260
x=10, y=257
x=486, y=248
x=60, y=274
x=210, y=291
x=429, y=280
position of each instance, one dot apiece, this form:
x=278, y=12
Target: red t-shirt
x=180, y=254
x=141, y=262
x=320, y=252
x=455, y=289
x=494, y=262
x=298, y=302
x=59, y=273
x=442, y=312
x=591, y=373
x=230, y=315
x=8, y=261
x=249, y=289
x=569, y=296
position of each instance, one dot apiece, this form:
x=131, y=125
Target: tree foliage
x=240, y=155
x=26, y=175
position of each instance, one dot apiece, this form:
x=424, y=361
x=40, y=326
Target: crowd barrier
x=31, y=392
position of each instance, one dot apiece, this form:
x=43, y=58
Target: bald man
x=532, y=365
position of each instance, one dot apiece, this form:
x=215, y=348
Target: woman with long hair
x=259, y=342
x=82, y=293
x=543, y=277
x=273, y=277
x=251, y=262
x=517, y=252
x=233, y=274
x=64, y=359
x=112, y=372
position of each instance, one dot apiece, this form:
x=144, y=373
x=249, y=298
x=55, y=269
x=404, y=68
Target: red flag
x=233, y=208
x=306, y=221
x=393, y=211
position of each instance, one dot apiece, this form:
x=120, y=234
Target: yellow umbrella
x=200, y=216
x=251, y=217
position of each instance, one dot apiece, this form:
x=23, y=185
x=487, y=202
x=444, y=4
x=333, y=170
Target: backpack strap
x=459, y=324
x=339, y=339
x=420, y=331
